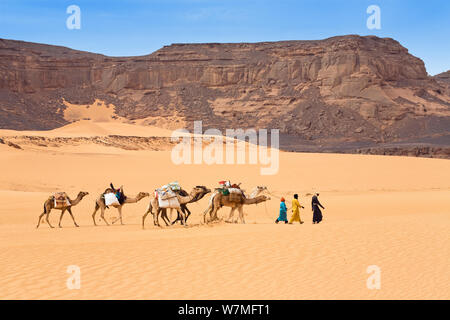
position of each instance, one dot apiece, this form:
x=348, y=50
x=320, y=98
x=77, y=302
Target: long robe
x=283, y=210
x=295, y=211
x=317, y=214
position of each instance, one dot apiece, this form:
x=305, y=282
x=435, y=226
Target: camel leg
x=183, y=217
x=231, y=214
x=61, y=216
x=156, y=217
x=70, y=212
x=169, y=218
x=46, y=219
x=241, y=214
x=164, y=216
x=150, y=210
x=40, y=217
x=183, y=209
x=213, y=214
x=204, y=216
x=178, y=218
x=145, y=216
x=120, y=214
x=209, y=211
x=163, y=212
x=186, y=212
x=102, y=215
x=95, y=212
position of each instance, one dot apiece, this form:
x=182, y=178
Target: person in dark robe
x=316, y=205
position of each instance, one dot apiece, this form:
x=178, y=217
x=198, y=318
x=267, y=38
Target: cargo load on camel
x=166, y=195
x=61, y=200
x=235, y=194
x=111, y=199
x=232, y=190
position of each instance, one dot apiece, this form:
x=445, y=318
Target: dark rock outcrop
x=338, y=90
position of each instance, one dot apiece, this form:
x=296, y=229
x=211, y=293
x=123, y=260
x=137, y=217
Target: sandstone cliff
x=342, y=91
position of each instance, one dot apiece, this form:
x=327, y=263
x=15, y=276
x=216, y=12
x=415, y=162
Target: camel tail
x=96, y=206
x=45, y=209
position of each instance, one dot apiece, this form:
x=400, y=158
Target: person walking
x=283, y=210
x=296, y=210
x=316, y=205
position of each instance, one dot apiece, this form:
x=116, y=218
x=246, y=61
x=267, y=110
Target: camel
x=255, y=192
x=184, y=207
x=49, y=204
x=181, y=199
x=221, y=200
x=100, y=204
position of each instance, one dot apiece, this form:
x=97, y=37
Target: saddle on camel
x=232, y=190
x=113, y=196
x=61, y=200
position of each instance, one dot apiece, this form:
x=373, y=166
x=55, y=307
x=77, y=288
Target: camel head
x=204, y=192
x=262, y=198
x=142, y=195
x=204, y=189
x=82, y=194
x=256, y=200
x=199, y=190
x=261, y=188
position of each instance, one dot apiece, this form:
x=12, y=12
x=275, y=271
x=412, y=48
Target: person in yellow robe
x=296, y=210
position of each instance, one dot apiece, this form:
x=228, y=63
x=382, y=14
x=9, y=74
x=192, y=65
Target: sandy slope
x=86, y=128
x=393, y=212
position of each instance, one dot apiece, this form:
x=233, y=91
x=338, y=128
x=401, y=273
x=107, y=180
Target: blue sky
x=138, y=27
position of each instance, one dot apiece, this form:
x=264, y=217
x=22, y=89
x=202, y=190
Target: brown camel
x=184, y=207
x=49, y=204
x=181, y=199
x=255, y=192
x=100, y=204
x=221, y=200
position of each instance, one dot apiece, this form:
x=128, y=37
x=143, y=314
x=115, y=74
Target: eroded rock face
x=444, y=76
x=341, y=89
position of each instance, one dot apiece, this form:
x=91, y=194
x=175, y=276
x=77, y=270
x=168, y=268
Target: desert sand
x=393, y=212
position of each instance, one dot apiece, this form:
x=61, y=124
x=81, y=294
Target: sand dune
x=393, y=212
x=87, y=128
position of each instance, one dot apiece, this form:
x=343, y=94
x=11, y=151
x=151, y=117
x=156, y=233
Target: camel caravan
x=168, y=197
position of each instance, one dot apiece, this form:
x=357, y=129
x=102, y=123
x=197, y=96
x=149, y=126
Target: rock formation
x=339, y=93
